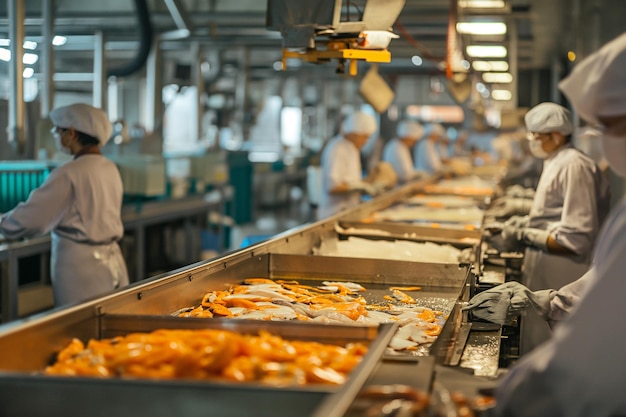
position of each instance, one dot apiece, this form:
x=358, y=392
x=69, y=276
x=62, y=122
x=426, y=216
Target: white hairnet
x=549, y=117
x=83, y=118
x=359, y=122
x=434, y=128
x=409, y=129
x=597, y=85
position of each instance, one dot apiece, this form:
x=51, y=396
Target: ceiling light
x=486, y=51
x=59, y=40
x=482, y=4
x=28, y=72
x=497, y=77
x=501, y=95
x=465, y=64
x=481, y=28
x=32, y=45
x=417, y=60
x=30, y=59
x=5, y=54
x=486, y=66
x=480, y=87
x=277, y=65
x=571, y=55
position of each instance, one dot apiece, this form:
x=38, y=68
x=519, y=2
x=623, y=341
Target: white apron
x=541, y=271
x=81, y=270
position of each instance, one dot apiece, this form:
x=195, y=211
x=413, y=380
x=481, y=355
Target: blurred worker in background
x=570, y=205
x=80, y=204
x=460, y=148
x=426, y=153
x=580, y=370
x=342, y=181
x=398, y=150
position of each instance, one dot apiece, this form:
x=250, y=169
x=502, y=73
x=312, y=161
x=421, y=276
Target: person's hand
x=505, y=207
x=363, y=187
x=506, y=239
x=505, y=302
x=517, y=191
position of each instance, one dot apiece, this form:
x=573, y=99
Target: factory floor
x=269, y=221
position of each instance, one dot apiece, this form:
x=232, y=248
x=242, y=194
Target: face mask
x=59, y=144
x=614, y=148
x=537, y=150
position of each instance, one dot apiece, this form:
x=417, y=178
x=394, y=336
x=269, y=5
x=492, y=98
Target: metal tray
x=73, y=396
x=457, y=237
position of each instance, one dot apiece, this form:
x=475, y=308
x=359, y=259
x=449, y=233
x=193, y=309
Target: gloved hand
x=505, y=207
x=363, y=187
x=507, y=236
x=503, y=303
x=517, y=191
x=536, y=238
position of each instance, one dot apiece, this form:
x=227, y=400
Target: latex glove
x=503, y=303
x=536, y=238
x=518, y=191
x=518, y=221
x=363, y=187
x=508, y=206
x=507, y=239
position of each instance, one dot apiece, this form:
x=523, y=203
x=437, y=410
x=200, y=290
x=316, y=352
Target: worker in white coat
x=570, y=205
x=580, y=370
x=342, y=177
x=80, y=204
x=398, y=150
x=426, y=153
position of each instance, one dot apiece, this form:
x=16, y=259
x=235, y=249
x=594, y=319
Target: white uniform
x=581, y=370
x=341, y=164
x=426, y=156
x=571, y=202
x=80, y=203
x=399, y=156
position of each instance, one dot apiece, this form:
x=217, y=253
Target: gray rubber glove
x=518, y=191
x=505, y=207
x=505, y=302
x=507, y=238
x=536, y=238
x=363, y=187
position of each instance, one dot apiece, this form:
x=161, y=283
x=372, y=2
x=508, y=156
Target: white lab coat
x=341, y=163
x=581, y=370
x=426, y=156
x=571, y=202
x=399, y=156
x=80, y=203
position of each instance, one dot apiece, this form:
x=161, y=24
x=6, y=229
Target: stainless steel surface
x=287, y=255
x=188, y=398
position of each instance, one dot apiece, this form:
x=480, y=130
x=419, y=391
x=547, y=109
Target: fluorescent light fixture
x=481, y=28
x=5, y=42
x=277, y=65
x=59, y=40
x=485, y=66
x=28, y=72
x=480, y=87
x=486, y=51
x=30, y=59
x=497, y=77
x=482, y=4
x=417, y=60
x=501, y=95
x=5, y=54
x=32, y=45
x=465, y=64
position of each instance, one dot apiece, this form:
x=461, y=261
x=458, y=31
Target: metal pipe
x=47, y=59
x=16, y=69
x=513, y=55
x=153, y=114
x=198, y=81
x=99, y=72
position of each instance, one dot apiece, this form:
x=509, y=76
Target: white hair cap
x=359, y=122
x=83, y=118
x=549, y=117
x=434, y=128
x=597, y=85
x=409, y=129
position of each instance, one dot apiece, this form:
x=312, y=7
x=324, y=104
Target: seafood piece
x=352, y=286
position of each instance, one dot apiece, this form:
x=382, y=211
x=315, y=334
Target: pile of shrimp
x=332, y=303
x=210, y=354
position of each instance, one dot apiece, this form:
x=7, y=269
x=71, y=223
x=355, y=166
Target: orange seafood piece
x=427, y=315
x=413, y=288
x=259, y=281
x=435, y=330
